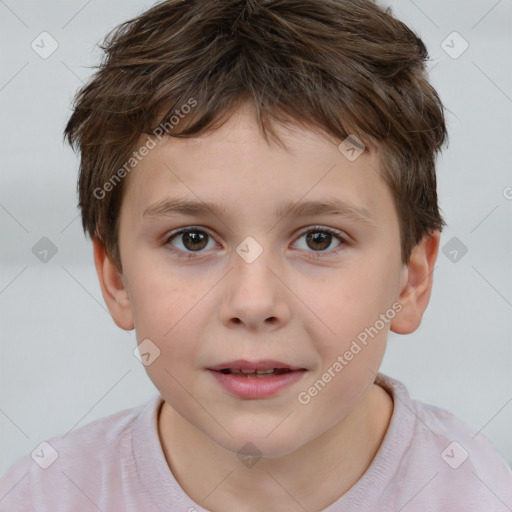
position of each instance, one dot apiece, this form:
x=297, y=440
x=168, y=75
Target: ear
x=112, y=288
x=416, y=284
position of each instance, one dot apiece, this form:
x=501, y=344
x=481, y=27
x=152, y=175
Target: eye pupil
x=320, y=237
x=194, y=240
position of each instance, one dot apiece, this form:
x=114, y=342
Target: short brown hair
x=340, y=66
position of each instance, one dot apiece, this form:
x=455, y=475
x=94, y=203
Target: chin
x=251, y=442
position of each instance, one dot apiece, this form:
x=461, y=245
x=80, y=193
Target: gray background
x=64, y=362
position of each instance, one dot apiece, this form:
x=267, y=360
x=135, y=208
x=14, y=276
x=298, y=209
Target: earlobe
x=416, y=284
x=112, y=288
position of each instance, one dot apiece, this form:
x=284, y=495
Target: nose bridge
x=251, y=270
x=254, y=296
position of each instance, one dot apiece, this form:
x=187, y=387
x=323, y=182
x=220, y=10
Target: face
x=249, y=279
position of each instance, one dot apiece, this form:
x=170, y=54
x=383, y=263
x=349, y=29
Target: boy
x=223, y=144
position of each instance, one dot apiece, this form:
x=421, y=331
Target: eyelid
x=336, y=232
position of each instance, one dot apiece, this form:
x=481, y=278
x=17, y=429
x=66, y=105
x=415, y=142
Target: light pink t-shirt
x=429, y=461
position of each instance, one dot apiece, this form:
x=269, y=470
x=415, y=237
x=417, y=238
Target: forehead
x=238, y=170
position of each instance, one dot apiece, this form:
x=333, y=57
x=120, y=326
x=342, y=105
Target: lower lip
x=257, y=387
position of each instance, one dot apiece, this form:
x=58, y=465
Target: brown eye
x=194, y=240
x=320, y=240
x=190, y=240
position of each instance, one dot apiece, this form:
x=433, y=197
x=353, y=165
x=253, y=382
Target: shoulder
x=458, y=465
x=64, y=470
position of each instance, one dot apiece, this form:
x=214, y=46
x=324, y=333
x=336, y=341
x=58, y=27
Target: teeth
x=259, y=372
x=256, y=373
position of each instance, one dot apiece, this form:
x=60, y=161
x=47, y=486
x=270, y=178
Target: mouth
x=254, y=380
x=255, y=369
x=250, y=373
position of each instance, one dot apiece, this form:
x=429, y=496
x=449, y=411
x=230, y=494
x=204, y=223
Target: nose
x=254, y=295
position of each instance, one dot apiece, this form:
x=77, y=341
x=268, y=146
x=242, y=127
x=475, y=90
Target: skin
x=286, y=305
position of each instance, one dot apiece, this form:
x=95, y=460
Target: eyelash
x=314, y=254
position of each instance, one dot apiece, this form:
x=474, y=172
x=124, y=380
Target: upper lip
x=244, y=364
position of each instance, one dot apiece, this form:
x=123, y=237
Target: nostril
x=270, y=319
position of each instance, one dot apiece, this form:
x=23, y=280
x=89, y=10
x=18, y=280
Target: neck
x=311, y=477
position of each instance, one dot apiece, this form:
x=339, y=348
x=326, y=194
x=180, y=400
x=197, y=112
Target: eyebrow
x=330, y=206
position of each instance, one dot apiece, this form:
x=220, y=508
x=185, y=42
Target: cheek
x=166, y=309
x=162, y=298
x=349, y=315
